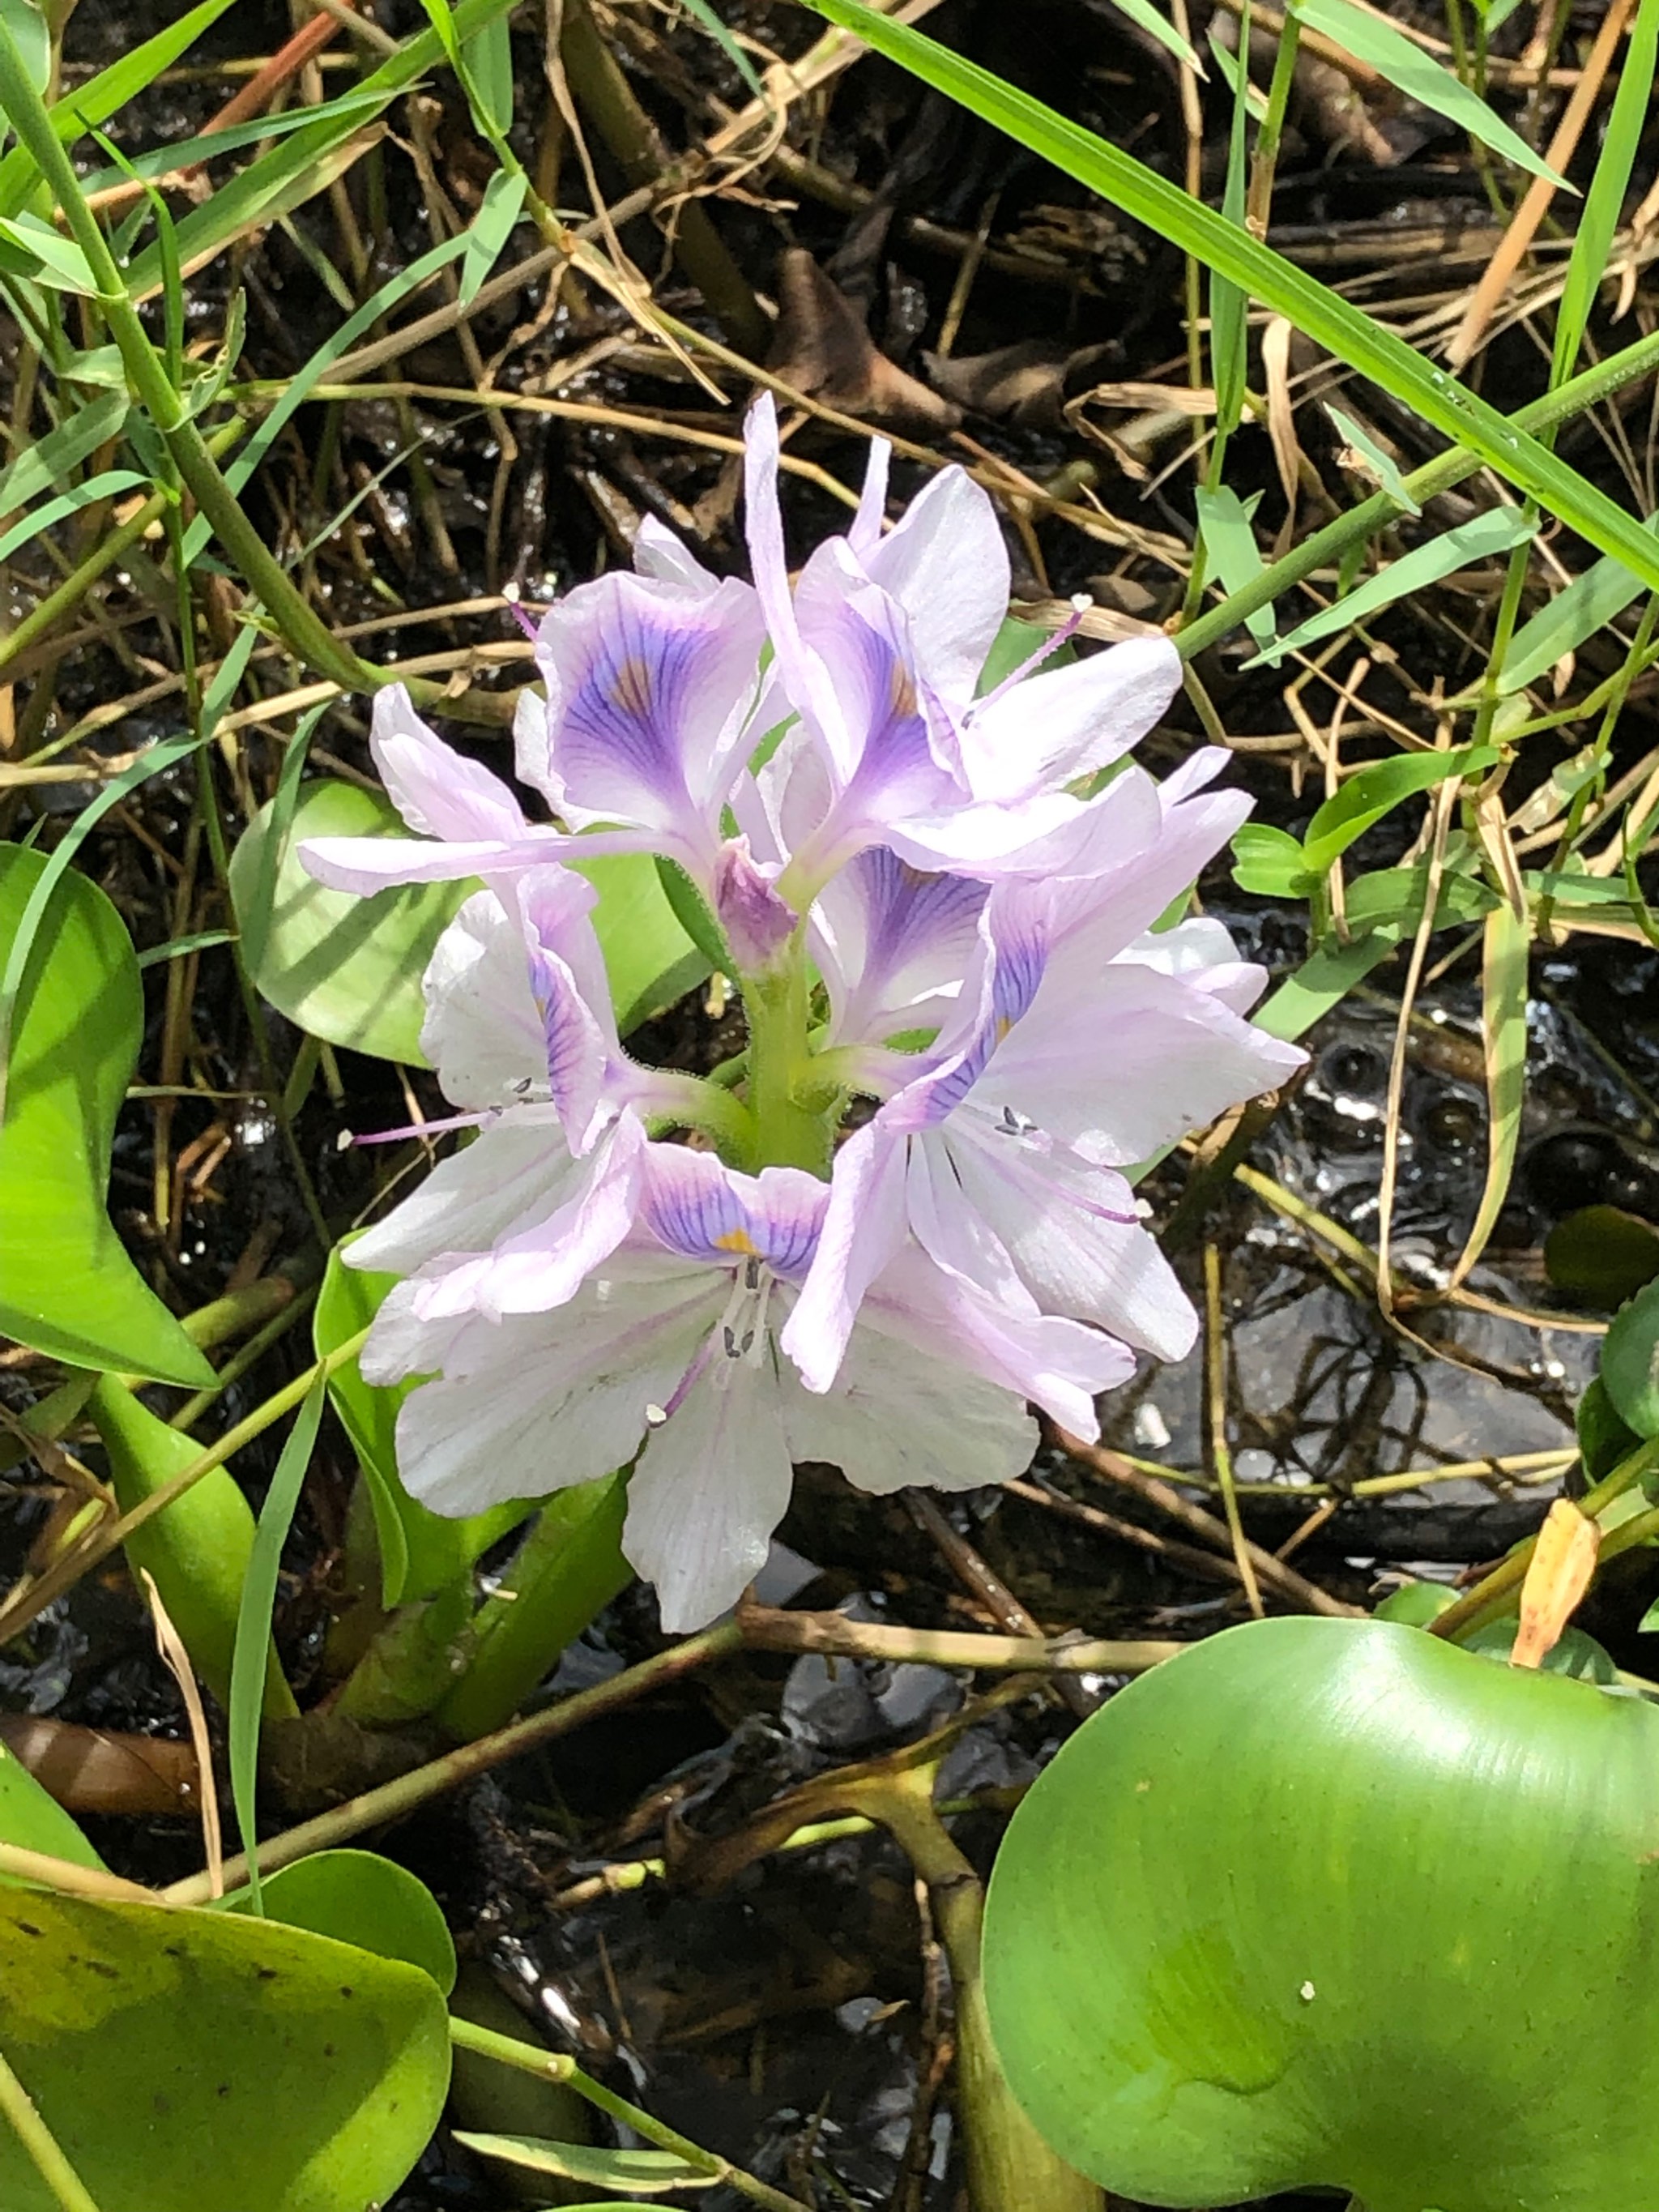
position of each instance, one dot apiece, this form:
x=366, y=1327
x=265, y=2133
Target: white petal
x=538, y=1403
x=1048, y=1209
x=897, y=1416
x=438, y=790
x=1066, y=722
x=711, y=1486
x=946, y=565
x=482, y=1032
x=511, y=1172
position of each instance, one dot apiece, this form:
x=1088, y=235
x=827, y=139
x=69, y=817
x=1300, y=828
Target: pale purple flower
x=1080, y=1044
x=651, y=681
x=519, y=1031
x=670, y=1350
x=878, y=649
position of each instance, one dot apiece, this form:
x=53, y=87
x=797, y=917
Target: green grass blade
x=1229, y=541
x=105, y=485
x=490, y=228
x=1319, y=313
x=1578, y=610
x=1387, y=474
x=1498, y=531
x=1229, y=304
x=1368, y=37
x=50, y=460
x=1605, y=200
x=1143, y=13
x=702, y=13
x=249, y=1661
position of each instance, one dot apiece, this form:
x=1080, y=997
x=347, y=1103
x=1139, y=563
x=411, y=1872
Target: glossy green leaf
x=1370, y=38
x=67, y=1286
x=1315, y=309
x=421, y=1552
x=188, y=2060
x=346, y=968
x=1270, y=861
x=32, y=1818
x=1333, y=1904
x=197, y=1548
x=649, y=960
x=1630, y=1362
x=649, y=2171
x=358, y=1897
x=1603, y=1438
x=1573, y=1653
x=1499, y=530
x=1602, y=1253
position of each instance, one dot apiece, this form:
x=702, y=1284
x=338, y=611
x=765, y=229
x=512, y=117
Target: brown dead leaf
x=823, y=349
x=1563, y=1561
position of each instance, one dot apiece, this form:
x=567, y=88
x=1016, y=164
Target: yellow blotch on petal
x=631, y=690
x=738, y=1240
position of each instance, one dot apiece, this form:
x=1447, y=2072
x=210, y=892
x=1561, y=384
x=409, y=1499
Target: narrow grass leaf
x=491, y=228
x=199, y=941
x=1230, y=540
x=100, y=98
x=1503, y=1032
x=1604, y=202
x=247, y=1666
x=28, y=27
x=1227, y=61
x=486, y=74
x=1498, y=531
x=1368, y=37
x=53, y=260
x=108, y=485
x=1581, y=608
x=350, y=107
x=1142, y=12
x=1229, y=304
x=294, y=393
x=1364, y=798
x=50, y=458
x=1387, y=476
x=1317, y=311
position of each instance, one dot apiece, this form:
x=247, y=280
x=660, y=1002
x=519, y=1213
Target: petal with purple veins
x=891, y=943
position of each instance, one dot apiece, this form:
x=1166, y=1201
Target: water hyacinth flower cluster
x=932, y=933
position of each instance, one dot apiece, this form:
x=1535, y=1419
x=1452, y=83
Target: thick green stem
x=568, y=1568
x=304, y=630
x=787, y=1133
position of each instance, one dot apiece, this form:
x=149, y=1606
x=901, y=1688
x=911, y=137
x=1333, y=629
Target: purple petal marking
x=554, y=905
x=648, y=687
x=891, y=943
x=702, y=1210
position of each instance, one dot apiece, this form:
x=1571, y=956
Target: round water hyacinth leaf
x=347, y=969
x=1602, y=1253
x=1333, y=1904
x=34, y=1820
x=67, y=1285
x=194, y=2059
x=1630, y=1363
x=358, y=1897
